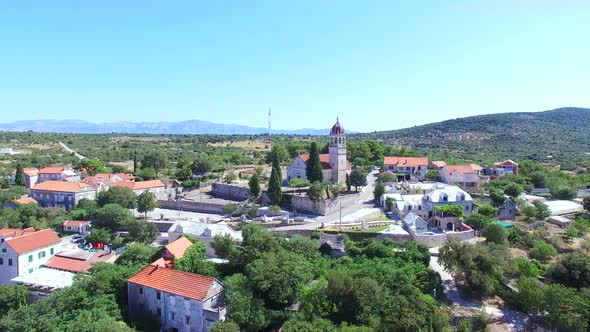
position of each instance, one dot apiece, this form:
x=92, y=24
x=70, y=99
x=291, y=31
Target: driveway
x=70, y=150
x=512, y=320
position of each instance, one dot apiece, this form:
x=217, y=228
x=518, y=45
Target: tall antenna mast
x=269, y=130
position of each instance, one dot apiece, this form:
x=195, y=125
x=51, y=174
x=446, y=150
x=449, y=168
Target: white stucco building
x=334, y=164
x=24, y=251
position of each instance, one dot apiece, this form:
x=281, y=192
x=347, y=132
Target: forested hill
x=562, y=133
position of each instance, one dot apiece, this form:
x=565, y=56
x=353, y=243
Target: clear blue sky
x=379, y=64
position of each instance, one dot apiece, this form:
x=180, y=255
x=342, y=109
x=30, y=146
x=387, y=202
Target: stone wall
x=438, y=240
x=192, y=206
x=230, y=192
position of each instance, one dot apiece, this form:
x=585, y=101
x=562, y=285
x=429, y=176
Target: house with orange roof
x=334, y=164
x=61, y=193
x=437, y=165
x=156, y=187
x=467, y=177
x=76, y=226
x=103, y=181
x=59, y=173
x=24, y=251
x=31, y=175
x=182, y=301
x=409, y=166
x=20, y=201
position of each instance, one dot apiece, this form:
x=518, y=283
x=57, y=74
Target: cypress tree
x=254, y=184
x=274, y=191
x=19, y=177
x=314, y=171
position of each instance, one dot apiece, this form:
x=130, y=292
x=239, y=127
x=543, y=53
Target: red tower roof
x=337, y=129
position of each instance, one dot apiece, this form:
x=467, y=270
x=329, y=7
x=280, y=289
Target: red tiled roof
x=63, y=186
x=77, y=265
x=26, y=200
x=439, y=163
x=324, y=160
x=140, y=185
x=52, y=170
x=32, y=241
x=464, y=169
x=406, y=161
x=178, y=247
x=162, y=263
x=506, y=163
x=75, y=223
x=14, y=232
x=190, y=285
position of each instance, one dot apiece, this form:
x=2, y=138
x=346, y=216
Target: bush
x=495, y=233
x=543, y=251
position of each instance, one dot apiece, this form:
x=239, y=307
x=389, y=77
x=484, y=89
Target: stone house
x=59, y=173
x=508, y=210
x=24, y=251
x=409, y=166
x=61, y=193
x=76, y=226
x=181, y=301
x=465, y=176
x=31, y=175
x=156, y=187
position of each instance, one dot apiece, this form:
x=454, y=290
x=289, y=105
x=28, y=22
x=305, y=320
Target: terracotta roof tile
x=464, y=169
x=62, y=186
x=75, y=223
x=14, y=232
x=406, y=161
x=178, y=247
x=189, y=285
x=439, y=163
x=33, y=241
x=26, y=200
x=77, y=265
x=52, y=170
x=140, y=185
x=324, y=160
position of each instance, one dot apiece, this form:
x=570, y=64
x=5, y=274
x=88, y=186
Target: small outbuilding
x=560, y=221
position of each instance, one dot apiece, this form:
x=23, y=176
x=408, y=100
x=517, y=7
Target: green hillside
x=560, y=137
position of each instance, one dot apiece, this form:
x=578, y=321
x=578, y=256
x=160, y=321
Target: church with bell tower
x=334, y=164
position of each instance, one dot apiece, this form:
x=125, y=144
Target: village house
x=172, y=251
x=76, y=226
x=423, y=205
x=181, y=301
x=465, y=176
x=31, y=175
x=437, y=165
x=61, y=193
x=103, y=181
x=156, y=187
x=78, y=260
x=409, y=166
x=59, y=173
x=23, y=251
x=508, y=166
x=334, y=164
x=202, y=231
x=508, y=210
x=20, y=201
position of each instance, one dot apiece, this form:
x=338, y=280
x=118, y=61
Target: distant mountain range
x=190, y=127
x=558, y=136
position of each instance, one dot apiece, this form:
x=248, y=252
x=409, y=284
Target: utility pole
x=340, y=228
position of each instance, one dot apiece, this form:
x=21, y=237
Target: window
x=159, y=295
x=51, y=251
x=30, y=270
x=3, y=249
x=140, y=290
x=172, y=315
x=1, y=261
x=10, y=262
x=159, y=312
x=41, y=254
x=30, y=258
x=187, y=320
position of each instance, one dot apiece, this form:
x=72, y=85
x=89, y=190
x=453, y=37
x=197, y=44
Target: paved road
x=514, y=320
x=70, y=150
x=362, y=205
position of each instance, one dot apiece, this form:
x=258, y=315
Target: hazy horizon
x=379, y=66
